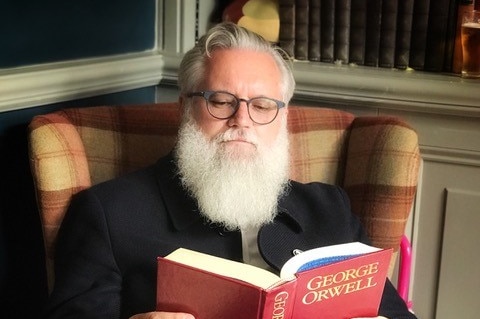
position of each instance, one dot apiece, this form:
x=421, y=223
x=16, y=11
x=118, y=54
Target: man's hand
x=163, y=315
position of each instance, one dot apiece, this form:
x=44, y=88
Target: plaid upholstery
x=381, y=176
x=375, y=158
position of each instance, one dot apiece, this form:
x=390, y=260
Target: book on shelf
x=327, y=35
x=314, y=30
x=372, y=37
x=339, y=281
x=418, y=39
x=404, y=32
x=341, y=43
x=436, y=35
x=388, y=34
x=451, y=32
x=301, y=29
x=286, y=33
x=358, y=25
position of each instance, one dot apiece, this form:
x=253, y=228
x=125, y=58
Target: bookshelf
x=331, y=83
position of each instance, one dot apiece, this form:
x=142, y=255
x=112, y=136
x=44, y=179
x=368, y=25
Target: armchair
x=375, y=159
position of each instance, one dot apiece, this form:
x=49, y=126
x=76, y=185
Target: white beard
x=233, y=190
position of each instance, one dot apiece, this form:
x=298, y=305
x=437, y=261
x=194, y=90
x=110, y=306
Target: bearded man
x=224, y=190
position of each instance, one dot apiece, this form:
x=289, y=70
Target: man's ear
x=285, y=112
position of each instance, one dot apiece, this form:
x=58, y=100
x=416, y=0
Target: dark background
x=35, y=32
x=54, y=30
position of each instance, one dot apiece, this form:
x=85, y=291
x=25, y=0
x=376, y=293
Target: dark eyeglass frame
x=207, y=94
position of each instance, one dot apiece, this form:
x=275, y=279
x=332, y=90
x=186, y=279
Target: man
x=224, y=190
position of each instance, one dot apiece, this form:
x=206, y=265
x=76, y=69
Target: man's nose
x=241, y=117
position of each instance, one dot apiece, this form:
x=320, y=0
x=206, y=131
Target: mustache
x=233, y=134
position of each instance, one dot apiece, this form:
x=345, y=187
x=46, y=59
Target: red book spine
x=278, y=302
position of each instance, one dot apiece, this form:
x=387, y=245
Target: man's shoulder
x=141, y=177
x=315, y=187
x=131, y=179
x=316, y=194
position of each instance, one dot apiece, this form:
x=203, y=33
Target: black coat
x=106, y=252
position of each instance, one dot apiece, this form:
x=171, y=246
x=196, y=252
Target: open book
x=332, y=282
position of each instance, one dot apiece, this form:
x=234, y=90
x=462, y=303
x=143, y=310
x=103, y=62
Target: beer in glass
x=471, y=44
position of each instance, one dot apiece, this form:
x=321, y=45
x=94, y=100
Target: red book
x=338, y=282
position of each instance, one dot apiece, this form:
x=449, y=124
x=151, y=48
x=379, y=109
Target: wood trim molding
x=387, y=88
x=450, y=156
x=56, y=82
x=322, y=83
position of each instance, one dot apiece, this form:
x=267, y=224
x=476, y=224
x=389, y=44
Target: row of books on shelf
x=417, y=34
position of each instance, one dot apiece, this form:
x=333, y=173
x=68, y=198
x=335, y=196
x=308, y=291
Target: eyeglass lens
x=223, y=105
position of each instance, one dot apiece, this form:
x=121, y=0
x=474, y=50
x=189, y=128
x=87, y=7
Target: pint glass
x=471, y=44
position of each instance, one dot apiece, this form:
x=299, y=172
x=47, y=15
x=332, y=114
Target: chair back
x=375, y=159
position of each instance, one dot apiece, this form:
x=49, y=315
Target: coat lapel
x=181, y=207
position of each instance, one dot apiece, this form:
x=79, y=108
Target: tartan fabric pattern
x=375, y=159
x=381, y=176
x=318, y=143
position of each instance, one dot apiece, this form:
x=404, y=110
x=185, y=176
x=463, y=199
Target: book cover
x=372, y=37
x=436, y=35
x=388, y=34
x=404, y=32
x=314, y=30
x=358, y=26
x=286, y=33
x=418, y=40
x=344, y=285
x=207, y=295
x=301, y=29
x=341, y=43
x=327, y=35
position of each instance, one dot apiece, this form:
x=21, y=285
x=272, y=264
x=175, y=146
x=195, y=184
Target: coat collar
x=279, y=240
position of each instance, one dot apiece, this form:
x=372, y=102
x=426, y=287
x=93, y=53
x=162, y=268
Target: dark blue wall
x=22, y=272
x=33, y=32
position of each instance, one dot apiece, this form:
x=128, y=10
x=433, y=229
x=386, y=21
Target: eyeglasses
x=224, y=105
